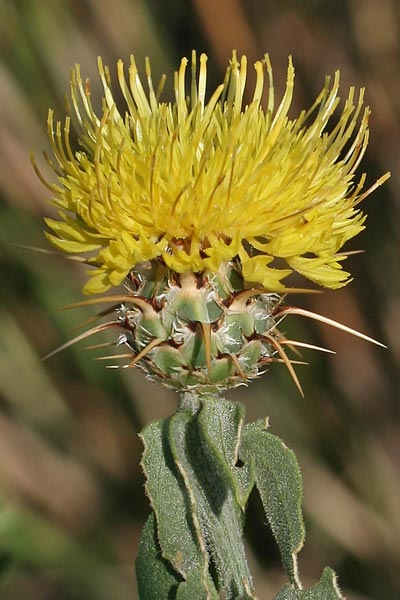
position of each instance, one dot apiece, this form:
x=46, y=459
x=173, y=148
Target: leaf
x=278, y=481
x=326, y=589
x=217, y=515
x=168, y=498
x=221, y=423
x=156, y=579
x=193, y=588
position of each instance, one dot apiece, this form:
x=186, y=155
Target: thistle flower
x=203, y=207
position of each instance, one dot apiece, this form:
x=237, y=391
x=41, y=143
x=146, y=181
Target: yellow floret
x=197, y=183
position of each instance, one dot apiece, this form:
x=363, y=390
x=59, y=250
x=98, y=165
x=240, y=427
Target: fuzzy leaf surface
x=156, y=579
x=193, y=588
x=279, y=483
x=326, y=589
x=221, y=423
x=208, y=477
x=168, y=496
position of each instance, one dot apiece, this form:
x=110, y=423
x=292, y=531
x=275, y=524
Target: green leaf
x=278, y=481
x=221, y=423
x=326, y=589
x=156, y=580
x=193, y=588
x=203, y=451
x=168, y=498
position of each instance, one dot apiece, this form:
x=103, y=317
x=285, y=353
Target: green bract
x=206, y=332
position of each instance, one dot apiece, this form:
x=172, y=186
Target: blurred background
x=71, y=490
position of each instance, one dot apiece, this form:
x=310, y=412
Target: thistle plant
x=198, y=214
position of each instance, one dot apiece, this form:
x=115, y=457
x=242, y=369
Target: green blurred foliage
x=72, y=501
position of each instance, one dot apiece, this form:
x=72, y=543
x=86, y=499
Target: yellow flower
x=197, y=182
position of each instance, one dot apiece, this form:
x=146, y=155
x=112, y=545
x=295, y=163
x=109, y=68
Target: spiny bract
x=204, y=332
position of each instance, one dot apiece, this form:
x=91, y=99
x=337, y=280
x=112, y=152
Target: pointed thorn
x=140, y=302
x=150, y=346
x=206, y=330
x=291, y=310
x=273, y=359
x=283, y=340
x=82, y=336
x=305, y=345
x=114, y=356
x=99, y=315
x=286, y=360
x=238, y=367
x=98, y=346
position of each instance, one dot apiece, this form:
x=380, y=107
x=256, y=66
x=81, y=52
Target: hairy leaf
x=156, y=579
x=278, y=481
x=326, y=589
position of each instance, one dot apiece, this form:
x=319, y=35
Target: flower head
x=196, y=183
